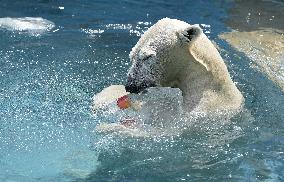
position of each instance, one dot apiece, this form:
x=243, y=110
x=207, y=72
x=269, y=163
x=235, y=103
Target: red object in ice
x=123, y=102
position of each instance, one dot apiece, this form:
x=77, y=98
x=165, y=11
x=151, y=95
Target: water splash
x=133, y=29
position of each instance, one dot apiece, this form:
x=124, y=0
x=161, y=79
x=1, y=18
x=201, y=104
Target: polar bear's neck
x=204, y=91
x=201, y=74
x=193, y=82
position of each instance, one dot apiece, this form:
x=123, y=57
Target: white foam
x=26, y=24
x=134, y=29
x=92, y=32
x=206, y=28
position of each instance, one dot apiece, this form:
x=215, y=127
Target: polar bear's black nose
x=135, y=88
x=132, y=88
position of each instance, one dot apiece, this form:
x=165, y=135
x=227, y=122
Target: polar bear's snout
x=143, y=72
x=132, y=87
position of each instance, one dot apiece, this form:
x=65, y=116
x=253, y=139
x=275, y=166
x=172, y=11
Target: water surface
x=48, y=78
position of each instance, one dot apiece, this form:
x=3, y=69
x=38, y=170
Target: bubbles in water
x=133, y=29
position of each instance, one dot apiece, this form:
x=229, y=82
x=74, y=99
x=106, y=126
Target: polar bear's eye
x=147, y=57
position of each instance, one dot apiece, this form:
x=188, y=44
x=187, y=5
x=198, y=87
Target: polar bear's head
x=173, y=53
x=160, y=54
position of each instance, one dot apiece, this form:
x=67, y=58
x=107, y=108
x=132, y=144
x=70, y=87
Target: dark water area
x=48, y=78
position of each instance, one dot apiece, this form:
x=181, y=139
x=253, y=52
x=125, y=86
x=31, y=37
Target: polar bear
x=173, y=53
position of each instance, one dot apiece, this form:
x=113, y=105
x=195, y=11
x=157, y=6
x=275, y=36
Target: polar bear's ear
x=190, y=33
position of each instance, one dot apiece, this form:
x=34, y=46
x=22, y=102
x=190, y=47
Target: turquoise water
x=50, y=71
